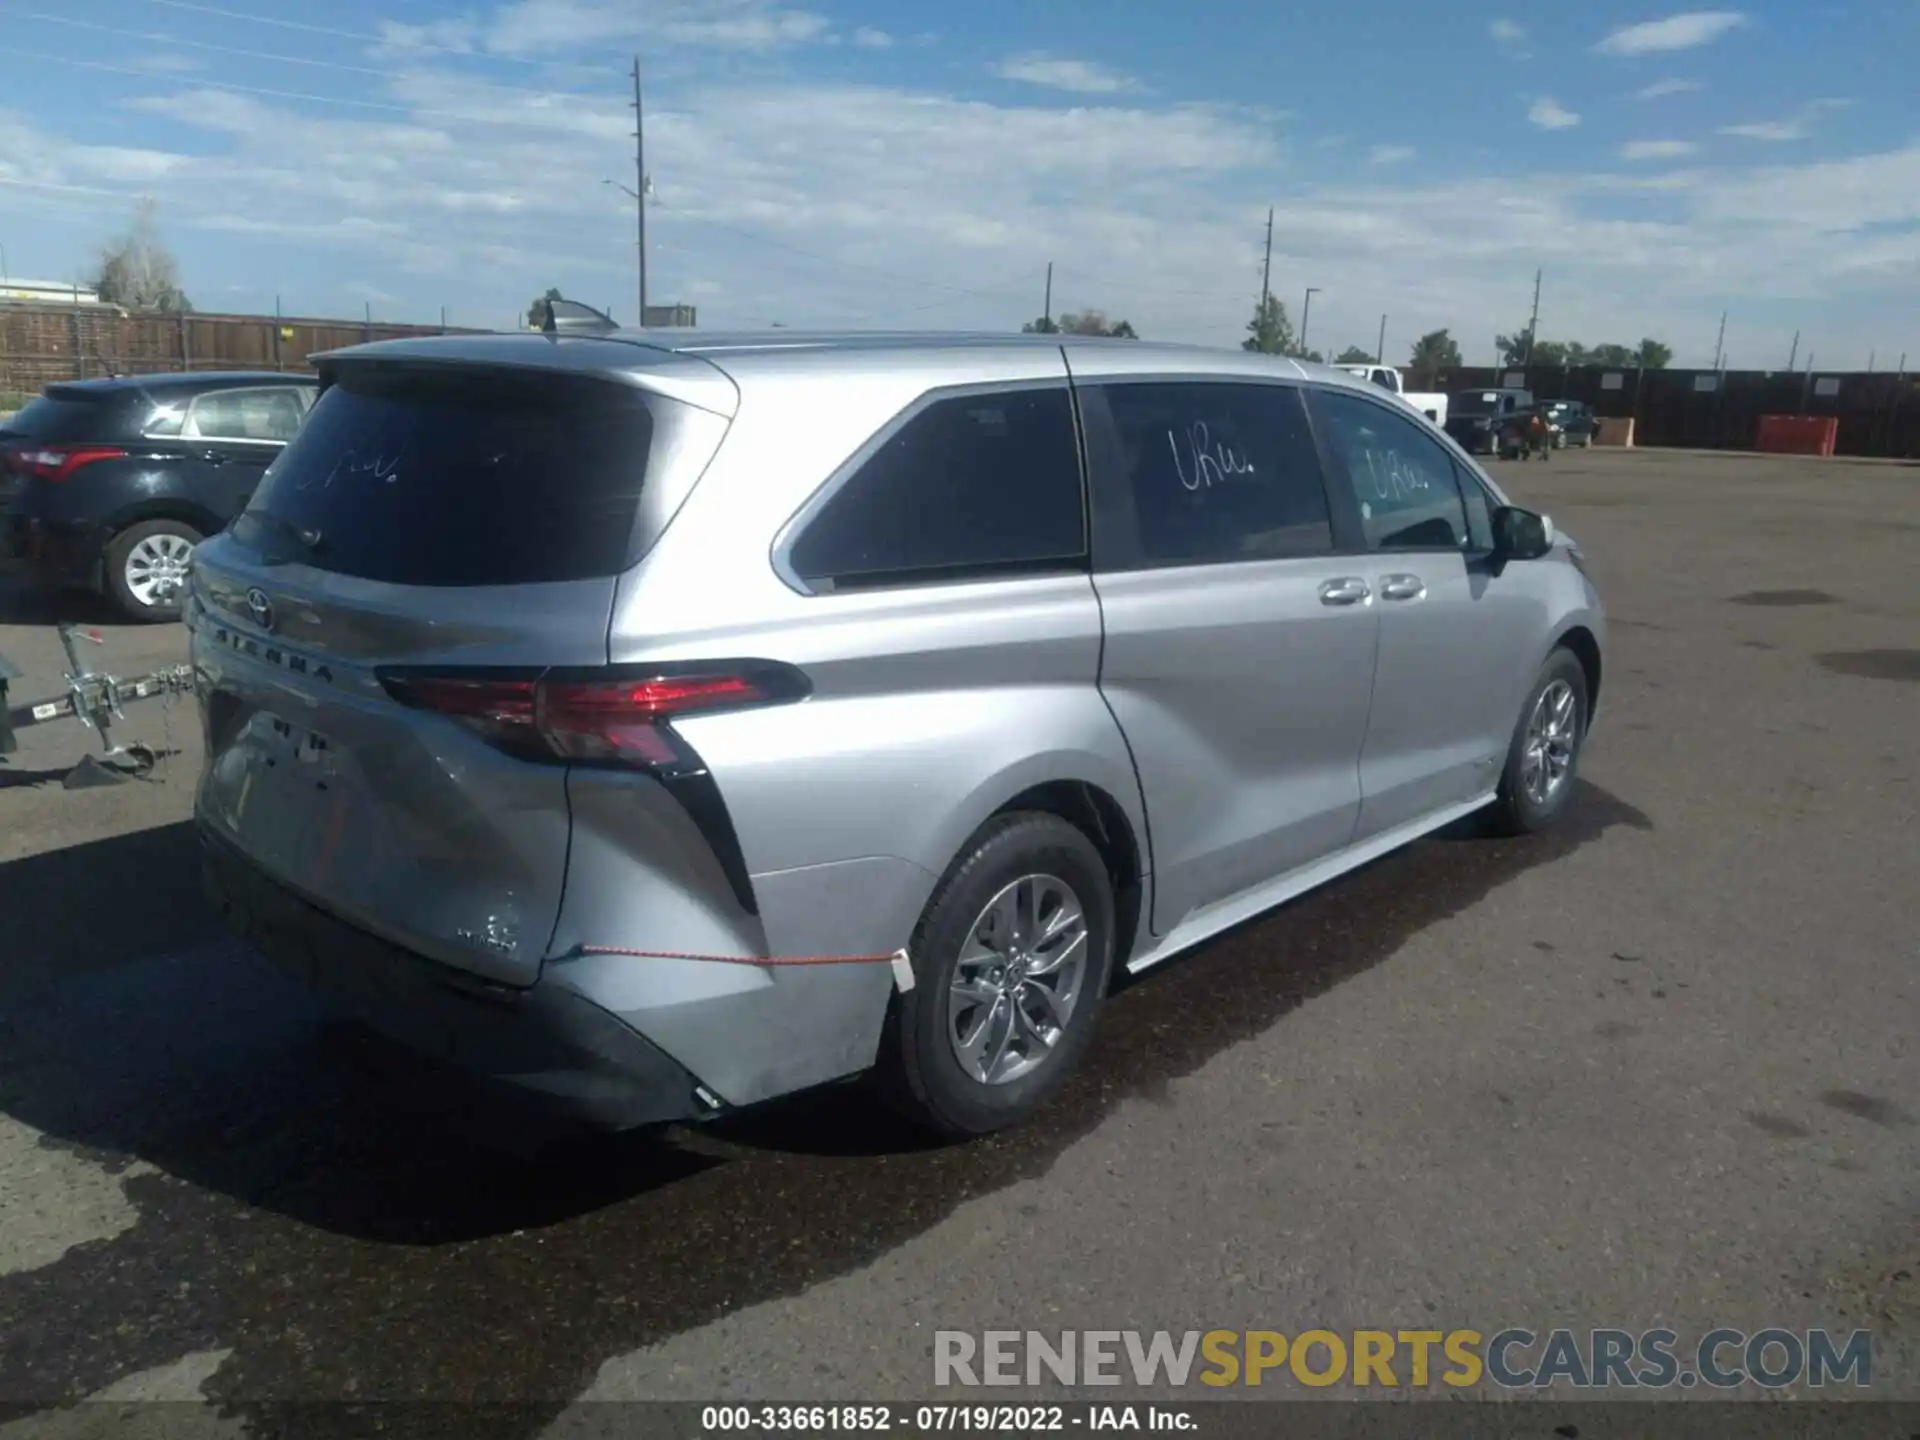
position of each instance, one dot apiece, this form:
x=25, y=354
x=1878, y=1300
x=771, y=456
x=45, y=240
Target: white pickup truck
x=1434, y=407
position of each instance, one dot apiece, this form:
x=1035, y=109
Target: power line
x=195, y=82
x=164, y=39
x=360, y=35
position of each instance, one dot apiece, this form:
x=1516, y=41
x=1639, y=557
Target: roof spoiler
x=557, y=315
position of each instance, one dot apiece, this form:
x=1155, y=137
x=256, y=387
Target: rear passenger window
x=1402, y=476
x=972, y=483
x=1210, y=472
x=271, y=415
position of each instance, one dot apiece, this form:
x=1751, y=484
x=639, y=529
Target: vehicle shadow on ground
x=320, y=1213
x=22, y=602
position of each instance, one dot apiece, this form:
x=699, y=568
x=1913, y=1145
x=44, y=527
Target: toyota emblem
x=260, y=608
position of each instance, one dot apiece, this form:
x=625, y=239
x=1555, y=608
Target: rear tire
x=979, y=959
x=146, y=570
x=1543, y=758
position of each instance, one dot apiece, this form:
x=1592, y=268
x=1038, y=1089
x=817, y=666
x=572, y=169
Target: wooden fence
x=40, y=344
x=1879, y=412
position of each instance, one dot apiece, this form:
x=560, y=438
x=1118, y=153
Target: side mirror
x=1520, y=534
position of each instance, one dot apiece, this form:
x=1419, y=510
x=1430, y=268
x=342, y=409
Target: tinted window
x=247, y=415
x=59, y=417
x=1477, y=402
x=970, y=483
x=459, y=476
x=1212, y=473
x=1402, y=477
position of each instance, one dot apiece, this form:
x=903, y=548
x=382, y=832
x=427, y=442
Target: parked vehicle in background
x=109, y=484
x=1490, y=422
x=1431, y=405
x=1572, y=422
x=663, y=724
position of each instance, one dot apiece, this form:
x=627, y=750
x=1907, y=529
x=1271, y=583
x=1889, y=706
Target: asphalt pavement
x=1658, y=1067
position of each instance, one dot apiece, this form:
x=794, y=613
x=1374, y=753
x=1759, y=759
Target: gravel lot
x=1658, y=1068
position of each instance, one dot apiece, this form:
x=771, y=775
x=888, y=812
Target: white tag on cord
x=902, y=971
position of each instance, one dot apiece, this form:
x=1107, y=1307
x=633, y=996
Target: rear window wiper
x=309, y=540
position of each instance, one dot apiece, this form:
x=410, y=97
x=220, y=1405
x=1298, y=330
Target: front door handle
x=1347, y=590
x=213, y=457
x=1402, y=587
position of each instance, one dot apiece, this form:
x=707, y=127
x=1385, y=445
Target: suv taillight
x=57, y=462
x=618, y=716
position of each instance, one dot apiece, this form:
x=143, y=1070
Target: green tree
x=1513, y=348
x=1086, y=322
x=1095, y=322
x=137, y=271
x=1434, y=354
x=1269, y=332
x=536, y=308
x=1354, y=355
x=1655, y=355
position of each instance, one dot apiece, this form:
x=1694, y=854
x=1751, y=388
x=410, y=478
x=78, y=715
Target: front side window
x=1402, y=477
x=971, y=484
x=1213, y=473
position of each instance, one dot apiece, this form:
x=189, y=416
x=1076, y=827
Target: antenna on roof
x=570, y=315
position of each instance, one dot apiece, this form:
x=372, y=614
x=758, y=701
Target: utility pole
x=640, y=189
x=1266, y=268
x=1046, y=309
x=1872, y=355
x=1380, y=348
x=1720, y=345
x=1794, y=353
x=1306, y=309
x=1533, y=323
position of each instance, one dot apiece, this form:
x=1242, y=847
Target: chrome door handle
x=1348, y=590
x=1402, y=587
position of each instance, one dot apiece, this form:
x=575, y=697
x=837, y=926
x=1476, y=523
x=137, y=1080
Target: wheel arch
x=162, y=507
x=1094, y=812
x=1586, y=649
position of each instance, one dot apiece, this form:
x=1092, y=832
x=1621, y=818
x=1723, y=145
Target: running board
x=1203, y=925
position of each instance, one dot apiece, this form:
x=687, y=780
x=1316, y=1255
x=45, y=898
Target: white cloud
x=1509, y=36
x=1796, y=127
x=868, y=38
x=1059, y=73
x=1676, y=32
x=1660, y=89
x=1390, y=154
x=1550, y=114
x=1657, y=149
x=820, y=204
x=529, y=27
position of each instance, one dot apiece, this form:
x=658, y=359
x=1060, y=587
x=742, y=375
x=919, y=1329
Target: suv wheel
x=147, y=569
x=1544, y=758
x=1011, y=961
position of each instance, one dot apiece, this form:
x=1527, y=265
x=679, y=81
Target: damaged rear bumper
x=545, y=1039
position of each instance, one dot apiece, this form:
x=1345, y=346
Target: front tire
x=1011, y=962
x=146, y=570
x=1543, y=759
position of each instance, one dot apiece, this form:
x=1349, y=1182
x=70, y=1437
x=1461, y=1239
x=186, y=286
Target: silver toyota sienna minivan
x=665, y=722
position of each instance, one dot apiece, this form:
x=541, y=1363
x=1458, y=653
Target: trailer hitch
x=97, y=700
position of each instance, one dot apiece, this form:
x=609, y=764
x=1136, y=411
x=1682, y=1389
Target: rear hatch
x=434, y=517
x=53, y=431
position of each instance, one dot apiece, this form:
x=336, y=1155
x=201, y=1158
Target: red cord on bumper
x=902, y=968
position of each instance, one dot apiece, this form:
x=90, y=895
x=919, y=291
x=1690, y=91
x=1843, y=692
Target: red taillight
x=57, y=462
x=619, y=720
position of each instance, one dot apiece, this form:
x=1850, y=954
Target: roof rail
x=558, y=315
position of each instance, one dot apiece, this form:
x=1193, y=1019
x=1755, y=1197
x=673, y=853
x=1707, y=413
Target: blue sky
x=892, y=163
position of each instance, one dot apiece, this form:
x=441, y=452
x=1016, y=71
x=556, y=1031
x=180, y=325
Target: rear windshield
x=1475, y=402
x=454, y=475
x=55, y=417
